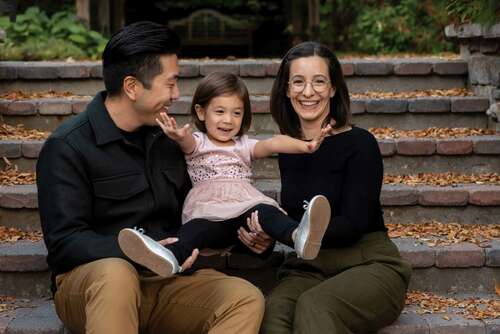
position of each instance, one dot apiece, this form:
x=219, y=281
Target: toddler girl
x=219, y=159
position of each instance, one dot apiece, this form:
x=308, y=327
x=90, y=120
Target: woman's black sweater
x=348, y=170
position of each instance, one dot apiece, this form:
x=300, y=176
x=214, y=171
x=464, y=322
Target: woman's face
x=309, y=88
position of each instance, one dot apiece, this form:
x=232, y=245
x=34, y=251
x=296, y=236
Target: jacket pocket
x=120, y=186
x=176, y=176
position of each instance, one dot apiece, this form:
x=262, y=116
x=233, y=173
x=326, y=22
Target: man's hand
x=189, y=261
x=169, y=126
x=257, y=240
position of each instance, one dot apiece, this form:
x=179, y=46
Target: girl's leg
x=275, y=223
x=202, y=233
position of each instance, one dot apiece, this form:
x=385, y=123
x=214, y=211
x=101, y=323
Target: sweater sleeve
x=359, y=196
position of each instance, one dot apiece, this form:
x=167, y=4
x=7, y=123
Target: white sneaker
x=147, y=252
x=312, y=227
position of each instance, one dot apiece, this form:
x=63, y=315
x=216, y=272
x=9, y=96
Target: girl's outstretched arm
x=287, y=144
x=181, y=136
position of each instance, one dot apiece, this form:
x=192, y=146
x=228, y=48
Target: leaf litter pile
x=6, y=303
x=10, y=176
x=11, y=234
x=443, y=179
x=19, y=132
x=433, y=132
x=413, y=94
x=470, y=308
x=435, y=233
x=51, y=94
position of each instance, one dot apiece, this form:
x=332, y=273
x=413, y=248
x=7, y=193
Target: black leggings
x=202, y=233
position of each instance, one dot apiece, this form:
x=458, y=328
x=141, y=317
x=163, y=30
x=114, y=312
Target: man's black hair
x=135, y=51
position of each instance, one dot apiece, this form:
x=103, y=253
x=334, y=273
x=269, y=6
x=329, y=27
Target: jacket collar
x=105, y=130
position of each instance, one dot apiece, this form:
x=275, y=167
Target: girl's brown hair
x=217, y=84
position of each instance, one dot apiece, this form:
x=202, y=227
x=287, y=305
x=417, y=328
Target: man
x=111, y=168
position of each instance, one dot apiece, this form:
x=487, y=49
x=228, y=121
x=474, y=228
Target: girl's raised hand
x=314, y=144
x=169, y=126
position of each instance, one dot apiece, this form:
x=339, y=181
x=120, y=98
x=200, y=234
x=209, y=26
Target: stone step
x=471, y=154
x=411, y=113
x=462, y=267
x=361, y=74
x=463, y=204
x=39, y=316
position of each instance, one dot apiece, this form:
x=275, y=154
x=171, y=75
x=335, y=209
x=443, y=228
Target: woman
x=358, y=281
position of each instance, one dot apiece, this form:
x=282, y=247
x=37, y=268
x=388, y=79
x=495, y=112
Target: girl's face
x=309, y=88
x=223, y=117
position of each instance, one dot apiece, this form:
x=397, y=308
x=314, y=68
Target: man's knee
x=244, y=293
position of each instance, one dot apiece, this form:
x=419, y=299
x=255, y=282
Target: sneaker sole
x=133, y=245
x=319, y=218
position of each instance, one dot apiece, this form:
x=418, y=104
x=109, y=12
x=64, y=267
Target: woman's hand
x=189, y=261
x=315, y=143
x=255, y=239
x=169, y=126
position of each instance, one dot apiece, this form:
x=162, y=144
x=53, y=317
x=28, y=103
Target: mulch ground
x=442, y=179
x=434, y=233
x=9, y=132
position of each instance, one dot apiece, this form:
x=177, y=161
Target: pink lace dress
x=221, y=180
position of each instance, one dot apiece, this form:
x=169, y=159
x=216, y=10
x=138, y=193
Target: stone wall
x=480, y=47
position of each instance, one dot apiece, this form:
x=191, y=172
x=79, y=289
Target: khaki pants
x=109, y=296
x=360, y=288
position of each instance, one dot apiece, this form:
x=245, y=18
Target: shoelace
x=140, y=230
x=305, y=205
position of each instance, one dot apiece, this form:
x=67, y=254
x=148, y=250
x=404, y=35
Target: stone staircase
x=457, y=269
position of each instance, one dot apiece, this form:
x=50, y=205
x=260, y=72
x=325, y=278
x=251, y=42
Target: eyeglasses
x=318, y=83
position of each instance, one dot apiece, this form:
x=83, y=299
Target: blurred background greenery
x=78, y=29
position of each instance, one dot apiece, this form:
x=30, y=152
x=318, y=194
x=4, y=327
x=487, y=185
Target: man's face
x=162, y=93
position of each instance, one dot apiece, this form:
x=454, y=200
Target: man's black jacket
x=92, y=183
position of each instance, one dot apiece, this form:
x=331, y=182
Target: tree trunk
x=83, y=11
x=314, y=19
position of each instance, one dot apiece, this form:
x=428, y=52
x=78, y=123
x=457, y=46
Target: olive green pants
x=360, y=288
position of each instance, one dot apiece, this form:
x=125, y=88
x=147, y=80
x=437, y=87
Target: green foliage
x=412, y=26
x=486, y=12
x=34, y=36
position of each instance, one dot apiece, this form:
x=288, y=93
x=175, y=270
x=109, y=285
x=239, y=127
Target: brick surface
x=486, y=144
x=429, y=104
x=10, y=148
x=492, y=326
x=41, y=320
x=364, y=67
x=387, y=147
x=492, y=254
x=260, y=104
x=96, y=70
x=442, y=196
x=38, y=70
x=412, y=68
x=408, y=323
x=391, y=106
x=272, y=68
x=486, y=195
x=21, y=108
x=450, y=67
x=54, y=107
x=357, y=106
x=23, y=256
x=31, y=149
x=397, y=195
x=455, y=325
x=7, y=71
x=21, y=196
x=416, y=146
x=219, y=66
x=462, y=255
x=76, y=71
x=454, y=146
x=347, y=69
x=469, y=104
x=181, y=106
x=189, y=69
x=79, y=105
x=253, y=69
x=417, y=254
